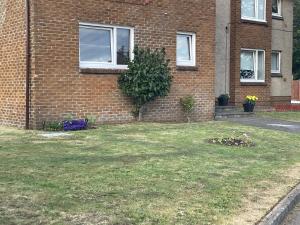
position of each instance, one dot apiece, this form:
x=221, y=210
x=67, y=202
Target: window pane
x=261, y=66
x=184, y=47
x=275, y=61
x=248, y=8
x=95, y=45
x=123, y=46
x=275, y=6
x=247, y=65
x=261, y=9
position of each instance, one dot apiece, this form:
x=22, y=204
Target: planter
x=223, y=101
x=248, y=107
x=74, y=125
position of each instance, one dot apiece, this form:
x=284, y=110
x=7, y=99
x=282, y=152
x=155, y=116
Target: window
x=105, y=47
x=276, y=62
x=252, y=65
x=254, y=10
x=276, y=7
x=186, y=49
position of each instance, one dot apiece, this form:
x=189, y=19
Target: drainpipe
x=27, y=22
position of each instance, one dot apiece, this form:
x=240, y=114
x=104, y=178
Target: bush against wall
x=296, y=58
x=148, y=77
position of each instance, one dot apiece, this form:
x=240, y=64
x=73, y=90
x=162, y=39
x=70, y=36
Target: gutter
x=28, y=56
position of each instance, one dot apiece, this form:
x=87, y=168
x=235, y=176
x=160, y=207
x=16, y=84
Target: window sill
x=276, y=75
x=101, y=71
x=263, y=23
x=253, y=83
x=277, y=17
x=187, y=68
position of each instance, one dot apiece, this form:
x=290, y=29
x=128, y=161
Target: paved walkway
x=268, y=123
x=294, y=217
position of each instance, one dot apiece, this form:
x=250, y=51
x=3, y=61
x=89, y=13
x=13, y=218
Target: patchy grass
x=144, y=174
x=290, y=116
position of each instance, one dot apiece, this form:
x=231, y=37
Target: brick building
x=63, y=57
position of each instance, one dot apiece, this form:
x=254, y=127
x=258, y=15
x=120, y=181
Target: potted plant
x=249, y=103
x=223, y=100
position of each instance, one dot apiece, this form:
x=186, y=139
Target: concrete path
x=268, y=123
x=294, y=217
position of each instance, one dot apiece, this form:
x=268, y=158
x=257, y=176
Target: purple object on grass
x=73, y=125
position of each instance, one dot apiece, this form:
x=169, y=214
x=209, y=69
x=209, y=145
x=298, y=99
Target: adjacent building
x=63, y=57
x=254, y=48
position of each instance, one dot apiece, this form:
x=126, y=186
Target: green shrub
x=188, y=105
x=53, y=126
x=91, y=121
x=148, y=77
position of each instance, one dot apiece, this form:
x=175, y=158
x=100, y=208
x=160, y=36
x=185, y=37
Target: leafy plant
x=148, y=77
x=223, y=99
x=52, y=126
x=188, y=105
x=91, y=121
x=251, y=99
x=296, y=58
x=236, y=139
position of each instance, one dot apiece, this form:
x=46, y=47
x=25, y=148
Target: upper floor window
x=252, y=65
x=105, y=46
x=186, y=49
x=276, y=62
x=254, y=10
x=276, y=7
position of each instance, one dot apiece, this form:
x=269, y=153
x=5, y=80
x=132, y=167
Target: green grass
x=290, y=116
x=137, y=174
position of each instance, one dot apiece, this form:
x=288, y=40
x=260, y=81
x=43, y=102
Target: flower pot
x=248, y=107
x=73, y=125
x=223, y=101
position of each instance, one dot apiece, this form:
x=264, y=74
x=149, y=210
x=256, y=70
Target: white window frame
x=113, y=64
x=191, y=62
x=279, y=5
x=279, y=62
x=255, y=52
x=255, y=18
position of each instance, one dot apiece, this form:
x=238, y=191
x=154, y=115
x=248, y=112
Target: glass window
x=123, y=46
x=95, y=45
x=248, y=8
x=186, y=49
x=276, y=62
x=253, y=10
x=105, y=47
x=252, y=66
x=276, y=7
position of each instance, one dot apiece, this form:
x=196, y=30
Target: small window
x=276, y=62
x=252, y=65
x=276, y=7
x=186, y=49
x=253, y=10
x=105, y=47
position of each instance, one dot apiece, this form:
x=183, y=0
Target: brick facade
x=58, y=87
x=251, y=35
x=12, y=63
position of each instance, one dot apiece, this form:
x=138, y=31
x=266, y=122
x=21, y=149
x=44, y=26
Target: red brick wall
x=296, y=90
x=254, y=36
x=12, y=63
x=59, y=87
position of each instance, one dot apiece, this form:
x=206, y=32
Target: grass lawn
x=290, y=116
x=144, y=174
